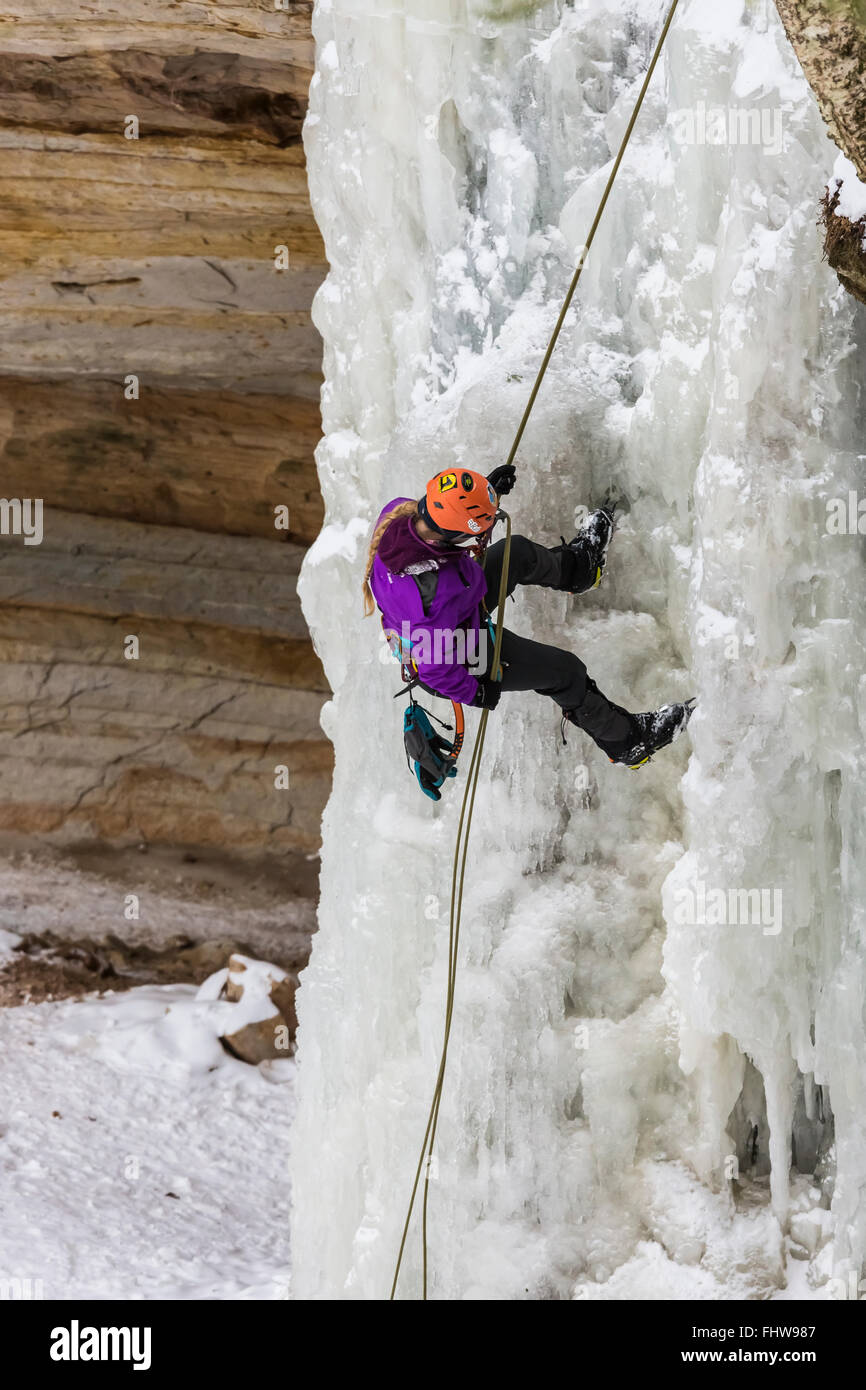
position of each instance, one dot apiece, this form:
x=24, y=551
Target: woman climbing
x=430, y=588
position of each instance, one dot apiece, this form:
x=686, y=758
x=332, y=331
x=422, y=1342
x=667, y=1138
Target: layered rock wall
x=159, y=382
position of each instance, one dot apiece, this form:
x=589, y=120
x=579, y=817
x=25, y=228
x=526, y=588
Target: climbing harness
x=465, y=822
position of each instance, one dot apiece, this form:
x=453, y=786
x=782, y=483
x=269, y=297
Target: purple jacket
x=455, y=609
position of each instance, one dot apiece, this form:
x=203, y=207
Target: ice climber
x=424, y=573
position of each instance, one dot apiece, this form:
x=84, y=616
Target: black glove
x=488, y=693
x=502, y=479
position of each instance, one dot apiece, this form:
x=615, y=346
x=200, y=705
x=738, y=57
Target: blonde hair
x=404, y=509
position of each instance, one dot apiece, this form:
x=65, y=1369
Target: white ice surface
x=711, y=368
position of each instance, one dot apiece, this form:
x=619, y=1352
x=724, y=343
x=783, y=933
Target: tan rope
x=475, y=762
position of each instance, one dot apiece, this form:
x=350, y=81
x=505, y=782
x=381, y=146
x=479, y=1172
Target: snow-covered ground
x=138, y=1159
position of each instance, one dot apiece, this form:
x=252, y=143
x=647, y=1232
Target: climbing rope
x=465, y=822
x=592, y=231
x=459, y=864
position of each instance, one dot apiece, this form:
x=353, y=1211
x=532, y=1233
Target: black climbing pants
x=529, y=665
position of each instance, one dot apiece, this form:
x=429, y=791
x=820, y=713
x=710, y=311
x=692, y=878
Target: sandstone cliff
x=159, y=380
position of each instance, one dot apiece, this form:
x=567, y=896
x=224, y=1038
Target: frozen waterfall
x=656, y=1083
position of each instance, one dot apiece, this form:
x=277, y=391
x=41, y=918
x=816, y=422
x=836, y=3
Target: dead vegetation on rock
x=844, y=245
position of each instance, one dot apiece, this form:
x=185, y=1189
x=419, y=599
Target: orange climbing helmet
x=459, y=503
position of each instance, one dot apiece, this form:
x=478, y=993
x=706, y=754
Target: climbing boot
x=584, y=557
x=627, y=739
x=655, y=730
